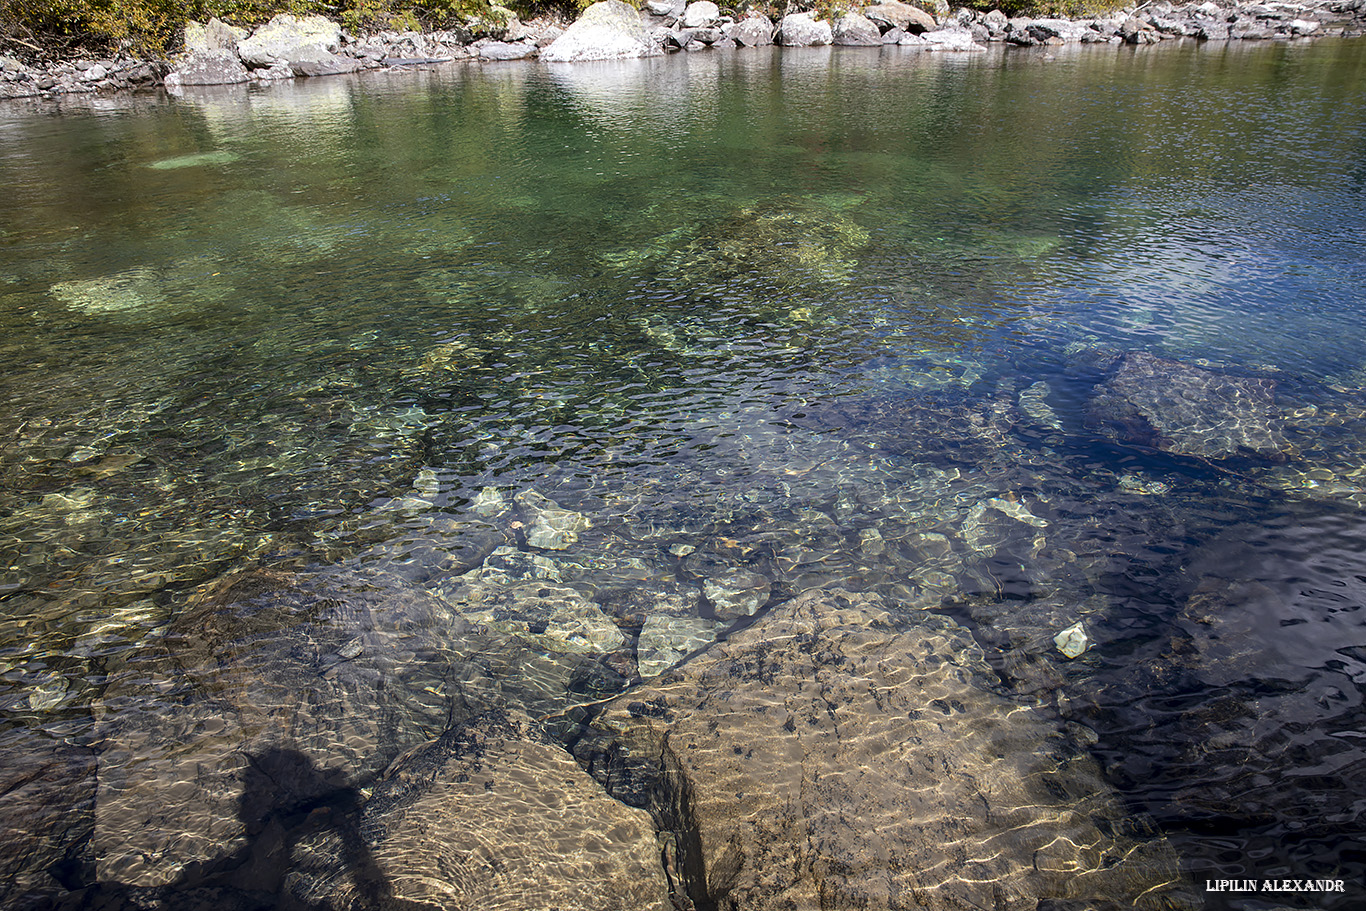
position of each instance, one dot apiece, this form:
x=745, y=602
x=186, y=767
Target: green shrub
x=151, y=27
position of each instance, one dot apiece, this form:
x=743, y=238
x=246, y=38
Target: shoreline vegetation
x=51, y=48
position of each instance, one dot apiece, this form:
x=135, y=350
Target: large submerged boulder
x=1178, y=408
x=606, y=30
x=329, y=684
x=46, y=816
x=489, y=816
x=837, y=754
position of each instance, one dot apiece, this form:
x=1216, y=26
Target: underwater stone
x=124, y=292
x=551, y=527
x=193, y=161
x=492, y=816
x=871, y=541
x=249, y=674
x=581, y=629
x=427, y=485
x=1142, y=486
x=1034, y=402
x=1174, y=407
x=489, y=502
x=837, y=754
x=737, y=593
x=665, y=641
x=49, y=693
x=558, y=618
x=1072, y=641
x=45, y=818
x=1017, y=511
x=508, y=564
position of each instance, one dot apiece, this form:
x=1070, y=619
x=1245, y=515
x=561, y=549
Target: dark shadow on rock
x=285, y=798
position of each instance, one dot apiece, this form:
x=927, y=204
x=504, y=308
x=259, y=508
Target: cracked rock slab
x=491, y=817
x=839, y=755
x=1188, y=410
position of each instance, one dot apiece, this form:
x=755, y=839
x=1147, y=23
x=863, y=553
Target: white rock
x=701, y=14
x=606, y=30
x=285, y=38
x=800, y=30
x=951, y=39
x=1072, y=641
x=215, y=37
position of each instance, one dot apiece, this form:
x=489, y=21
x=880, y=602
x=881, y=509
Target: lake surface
x=1022, y=339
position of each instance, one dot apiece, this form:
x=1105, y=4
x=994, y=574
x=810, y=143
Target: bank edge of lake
x=287, y=48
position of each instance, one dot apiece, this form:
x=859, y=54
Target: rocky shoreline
x=287, y=48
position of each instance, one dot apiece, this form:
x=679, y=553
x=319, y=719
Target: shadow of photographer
x=286, y=800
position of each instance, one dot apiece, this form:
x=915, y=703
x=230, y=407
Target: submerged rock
x=46, y=816
x=1256, y=688
x=789, y=243
x=666, y=640
x=558, y=618
x=489, y=816
x=1072, y=642
x=736, y=593
x=123, y=292
x=258, y=668
x=1034, y=402
x=548, y=525
x=489, y=502
x=1178, y=408
x=935, y=425
x=839, y=755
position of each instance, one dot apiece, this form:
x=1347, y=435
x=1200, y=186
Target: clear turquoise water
x=696, y=299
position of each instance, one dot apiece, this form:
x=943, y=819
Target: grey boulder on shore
x=607, y=30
